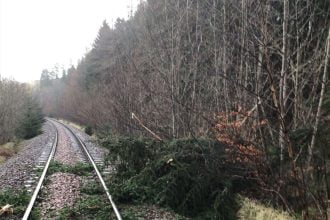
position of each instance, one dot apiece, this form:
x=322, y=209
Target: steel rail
x=41, y=179
x=100, y=178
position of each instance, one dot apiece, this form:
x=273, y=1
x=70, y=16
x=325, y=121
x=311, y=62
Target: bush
x=31, y=123
x=134, y=153
x=186, y=175
x=89, y=130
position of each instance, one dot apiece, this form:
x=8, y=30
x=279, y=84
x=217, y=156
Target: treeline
x=20, y=114
x=251, y=74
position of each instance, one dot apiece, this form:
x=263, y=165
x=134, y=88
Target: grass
x=251, y=210
x=92, y=189
x=80, y=169
x=92, y=204
x=18, y=200
x=81, y=206
x=8, y=150
x=88, y=207
x=2, y=159
x=79, y=127
x=137, y=212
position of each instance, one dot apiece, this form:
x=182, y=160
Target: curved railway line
x=49, y=155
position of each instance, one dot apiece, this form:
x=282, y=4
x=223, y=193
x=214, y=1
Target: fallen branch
x=151, y=132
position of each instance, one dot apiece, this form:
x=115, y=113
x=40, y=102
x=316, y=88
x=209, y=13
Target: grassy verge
x=79, y=127
x=8, y=150
x=252, y=210
x=87, y=129
x=18, y=201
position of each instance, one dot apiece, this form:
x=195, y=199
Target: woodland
x=21, y=116
x=203, y=100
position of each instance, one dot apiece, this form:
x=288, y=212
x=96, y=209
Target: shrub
x=89, y=130
x=134, y=153
x=31, y=123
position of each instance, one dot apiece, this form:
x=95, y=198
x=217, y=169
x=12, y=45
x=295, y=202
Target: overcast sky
x=37, y=34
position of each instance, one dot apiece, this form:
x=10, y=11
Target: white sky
x=37, y=34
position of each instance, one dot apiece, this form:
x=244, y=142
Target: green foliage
x=18, y=199
x=134, y=153
x=92, y=204
x=31, y=123
x=92, y=189
x=186, y=175
x=88, y=207
x=35, y=213
x=66, y=213
x=89, y=130
x=80, y=169
x=137, y=212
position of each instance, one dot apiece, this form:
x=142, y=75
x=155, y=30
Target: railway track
x=45, y=160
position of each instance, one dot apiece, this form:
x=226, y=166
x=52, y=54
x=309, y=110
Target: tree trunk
x=318, y=114
x=283, y=89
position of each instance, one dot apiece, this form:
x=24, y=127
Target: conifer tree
x=31, y=123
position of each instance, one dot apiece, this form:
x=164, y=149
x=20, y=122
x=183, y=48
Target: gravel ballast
x=67, y=152
x=62, y=191
x=16, y=170
x=96, y=151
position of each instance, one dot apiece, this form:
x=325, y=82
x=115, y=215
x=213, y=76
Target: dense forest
x=251, y=75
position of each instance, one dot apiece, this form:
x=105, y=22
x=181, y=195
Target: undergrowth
x=88, y=207
x=80, y=169
x=92, y=189
x=251, y=210
x=186, y=175
x=9, y=149
x=17, y=199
